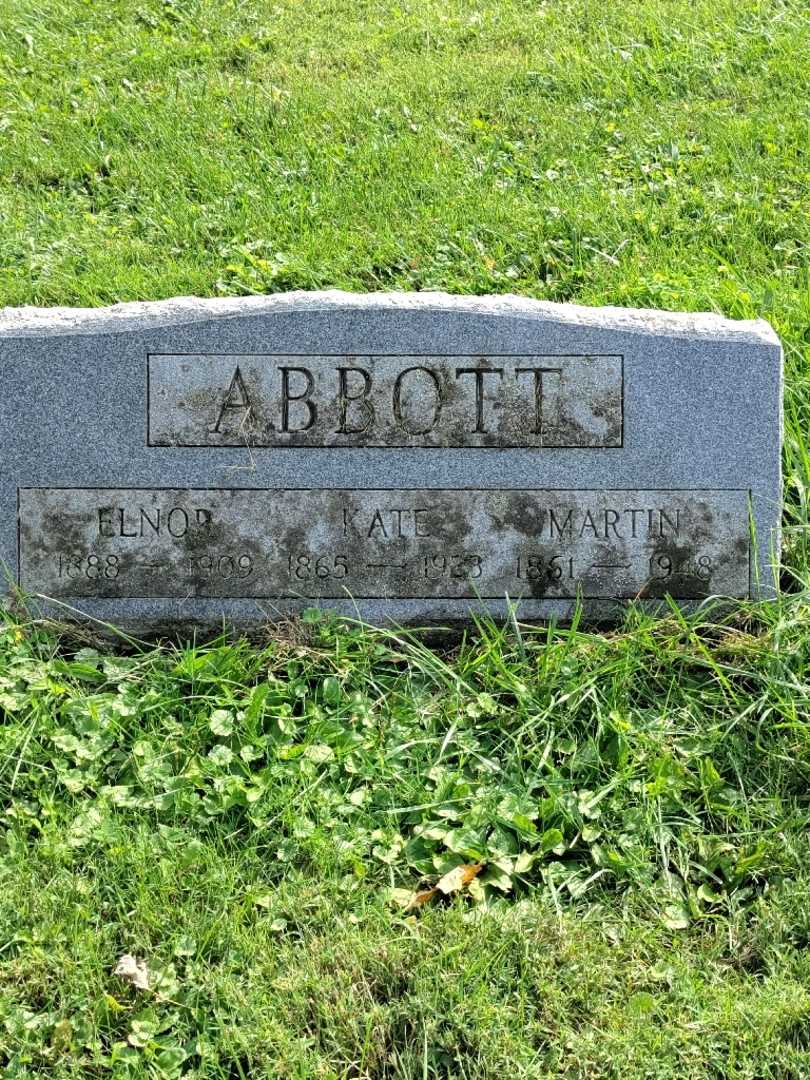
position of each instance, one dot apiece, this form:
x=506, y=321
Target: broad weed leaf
x=676, y=917
x=221, y=723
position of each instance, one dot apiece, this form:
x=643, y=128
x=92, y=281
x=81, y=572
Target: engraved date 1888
x=76, y=564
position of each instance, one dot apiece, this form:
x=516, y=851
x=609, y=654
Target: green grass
x=254, y=820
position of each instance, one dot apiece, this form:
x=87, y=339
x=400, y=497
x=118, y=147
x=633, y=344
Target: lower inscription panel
x=321, y=544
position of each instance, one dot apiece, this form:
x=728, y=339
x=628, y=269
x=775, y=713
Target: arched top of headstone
x=335, y=303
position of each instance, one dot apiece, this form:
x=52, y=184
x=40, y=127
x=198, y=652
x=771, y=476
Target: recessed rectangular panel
x=382, y=543
x=385, y=401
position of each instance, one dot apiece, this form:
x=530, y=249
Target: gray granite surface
x=185, y=461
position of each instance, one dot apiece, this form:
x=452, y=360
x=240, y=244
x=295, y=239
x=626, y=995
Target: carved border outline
x=315, y=601
x=378, y=446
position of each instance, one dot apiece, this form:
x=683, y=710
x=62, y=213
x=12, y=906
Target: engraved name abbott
x=431, y=401
x=409, y=543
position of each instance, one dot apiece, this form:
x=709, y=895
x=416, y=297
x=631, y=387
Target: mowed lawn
x=617, y=820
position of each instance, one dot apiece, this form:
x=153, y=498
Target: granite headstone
x=405, y=457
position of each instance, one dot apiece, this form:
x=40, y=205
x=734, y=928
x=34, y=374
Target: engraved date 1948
x=663, y=566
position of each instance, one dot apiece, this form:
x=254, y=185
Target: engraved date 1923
x=459, y=567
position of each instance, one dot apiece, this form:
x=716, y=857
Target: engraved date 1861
x=535, y=567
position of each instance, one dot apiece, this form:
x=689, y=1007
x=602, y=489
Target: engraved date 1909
x=222, y=566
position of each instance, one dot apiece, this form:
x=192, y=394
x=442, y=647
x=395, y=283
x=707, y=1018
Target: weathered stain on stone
x=526, y=516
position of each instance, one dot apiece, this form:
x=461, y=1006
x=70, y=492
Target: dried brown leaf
x=458, y=878
x=453, y=881
x=422, y=897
